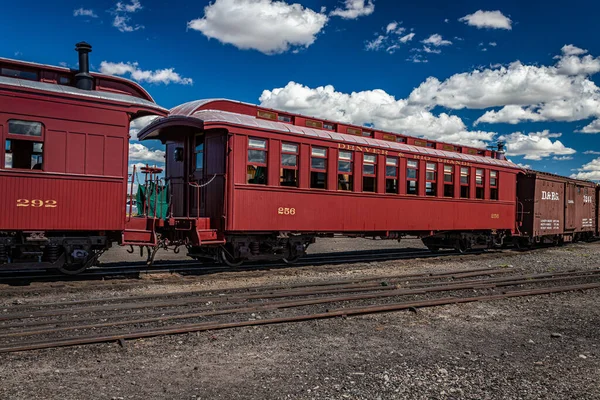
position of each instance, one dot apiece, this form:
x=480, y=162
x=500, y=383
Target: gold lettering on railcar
x=36, y=203
x=344, y=146
x=495, y=216
x=286, y=211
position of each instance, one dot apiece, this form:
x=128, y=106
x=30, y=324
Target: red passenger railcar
x=63, y=168
x=268, y=182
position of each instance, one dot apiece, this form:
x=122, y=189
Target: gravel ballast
x=543, y=347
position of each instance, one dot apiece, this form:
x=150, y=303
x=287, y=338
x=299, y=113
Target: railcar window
x=464, y=182
x=27, y=153
x=345, y=178
x=330, y=127
x=16, y=73
x=199, y=153
x=448, y=181
x=23, y=154
x=257, y=161
x=27, y=128
x=318, y=168
x=284, y=118
x=369, y=173
x=430, y=179
x=289, y=165
x=494, y=185
x=367, y=134
x=479, y=188
x=412, y=177
x=391, y=175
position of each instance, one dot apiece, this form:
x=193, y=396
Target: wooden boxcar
x=270, y=181
x=63, y=171
x=554, y=208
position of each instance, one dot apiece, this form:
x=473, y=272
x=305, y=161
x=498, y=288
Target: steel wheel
x=291, y=260
x=228, y=258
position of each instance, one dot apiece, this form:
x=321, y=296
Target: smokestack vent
x=83, y=79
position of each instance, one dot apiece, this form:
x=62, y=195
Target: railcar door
x=208, y=177
x=570, y=206
x=197, y=178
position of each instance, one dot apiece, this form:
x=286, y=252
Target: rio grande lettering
x=550, y=196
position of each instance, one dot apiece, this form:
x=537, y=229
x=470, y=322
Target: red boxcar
x=63, y=171
x=554, y=209
x=270, y=181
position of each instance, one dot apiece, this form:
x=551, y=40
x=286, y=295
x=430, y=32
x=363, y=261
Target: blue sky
x=464, y=71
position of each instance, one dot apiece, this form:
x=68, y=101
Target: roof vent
x=83, y=79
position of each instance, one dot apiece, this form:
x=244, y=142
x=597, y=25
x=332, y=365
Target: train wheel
x=433, y=249
x=226, y=256
x=73, y=269
x=461, y=246
x=291, y=260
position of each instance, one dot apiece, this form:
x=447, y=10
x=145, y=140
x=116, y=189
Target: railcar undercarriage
x=70, y=253
x=464, y=241
x=257, y=247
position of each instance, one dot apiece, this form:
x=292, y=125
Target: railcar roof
x=41, y=68
x=70, y=90
x=217, y=117
x=533, y=172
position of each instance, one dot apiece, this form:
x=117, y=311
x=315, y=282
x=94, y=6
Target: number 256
x=36, y=203
x=286, y=211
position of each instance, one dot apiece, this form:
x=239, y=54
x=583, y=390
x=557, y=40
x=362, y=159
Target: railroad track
x=185, y=267
x=87, y=321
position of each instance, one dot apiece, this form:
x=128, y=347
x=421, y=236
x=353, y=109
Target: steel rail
x=485, y=284
x=298, y=318
x=402, y=277
x=99, y=273
x=281, y=294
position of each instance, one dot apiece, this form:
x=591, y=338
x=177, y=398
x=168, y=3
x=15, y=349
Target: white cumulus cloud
x=271, y=27
x=354, y=8
x=436, y=40
x=131, y=7
x=407, y=38
x=592, y=127
x=571, y=50
x=122, y=19
x=535, y=145
x=372, y=107
x=139, y=152
x=166, y=75
x=589, y=171
x=84, y=12
x=488, y=19
x=391, y=39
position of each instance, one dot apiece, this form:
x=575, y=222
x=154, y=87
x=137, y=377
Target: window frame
x=495, y=186
x=257, y=164
x=289, y=167
x=11, y=137
x=396, y=177
x=433, y=181
x=373, y=175
x=317, y=170
x=415, y=179
x=467, y=184
x=350, y=172
x=480, y=187
x=450, y=183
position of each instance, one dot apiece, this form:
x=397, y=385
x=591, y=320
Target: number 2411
x=36, y=203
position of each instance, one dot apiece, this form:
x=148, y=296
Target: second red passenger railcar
x=270, y=181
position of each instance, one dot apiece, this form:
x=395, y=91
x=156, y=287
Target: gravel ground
x=543, y=347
